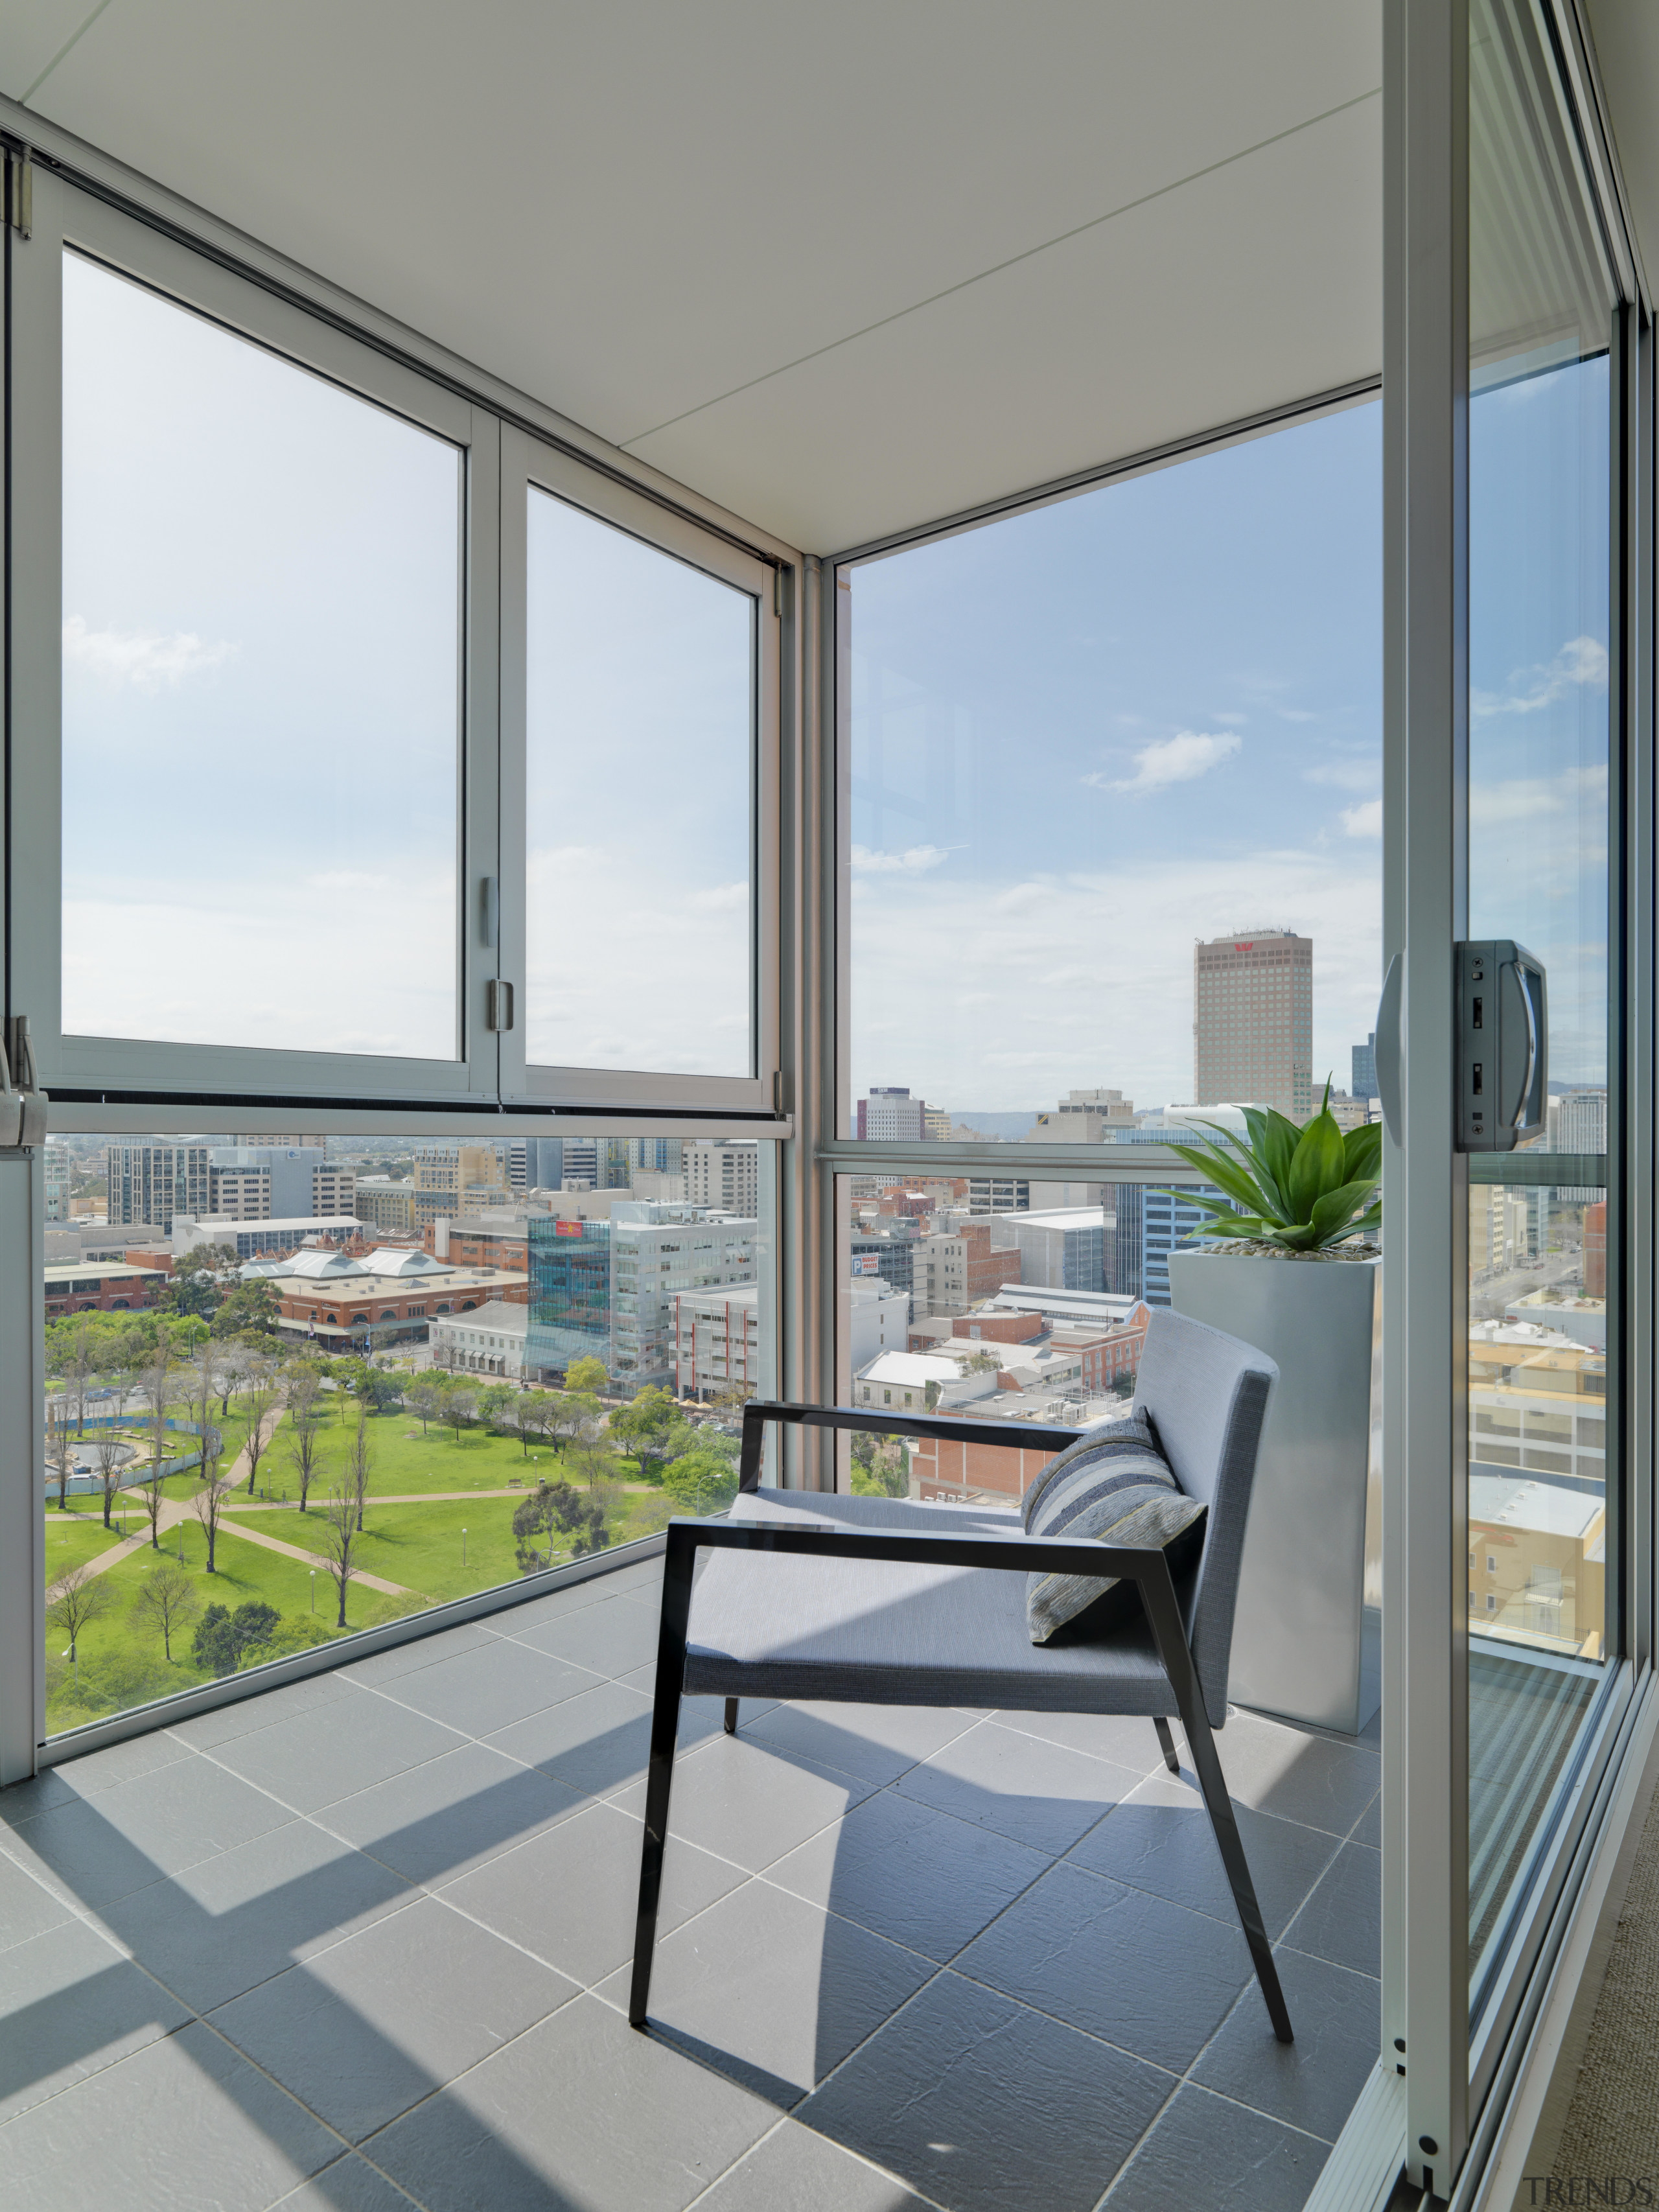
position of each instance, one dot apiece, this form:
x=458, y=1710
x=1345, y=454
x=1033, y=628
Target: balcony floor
x=362, y=1942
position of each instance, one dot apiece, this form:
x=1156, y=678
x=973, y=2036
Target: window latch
x=20, y=192
x=498, y=1005
x=22, y=1102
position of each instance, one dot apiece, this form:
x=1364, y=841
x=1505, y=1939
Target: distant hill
x=1012, y=1127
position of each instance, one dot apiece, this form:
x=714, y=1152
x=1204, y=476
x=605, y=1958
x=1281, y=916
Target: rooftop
x=369, y=1932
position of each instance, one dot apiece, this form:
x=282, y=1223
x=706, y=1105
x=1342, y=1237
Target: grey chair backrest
x=1207, y=1395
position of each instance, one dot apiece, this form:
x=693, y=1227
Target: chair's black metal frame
x=1148, y=1570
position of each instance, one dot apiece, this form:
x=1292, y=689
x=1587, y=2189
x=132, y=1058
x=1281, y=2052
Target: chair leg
x=659, y=1775
x=1166, y=1743
x=1219, y=1806
x=731, y=1716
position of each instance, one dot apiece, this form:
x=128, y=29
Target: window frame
x=528, y=463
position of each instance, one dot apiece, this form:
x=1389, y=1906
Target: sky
x=1086, y=736
x=261, y=708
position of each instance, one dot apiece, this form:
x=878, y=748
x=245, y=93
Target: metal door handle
x=1391, y=1053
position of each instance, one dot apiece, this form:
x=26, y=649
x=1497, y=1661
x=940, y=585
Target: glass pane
x=639, y=814
x=369, y=1328
x=261, y=695
x=1543, y=1533
x=1114, y=780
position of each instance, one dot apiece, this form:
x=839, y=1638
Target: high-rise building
x=1124, y=1247
x=1083, y=1117
x=654, y=1156
x=281, y=1182
x=657, y=1252
x=57, y=1181
x=886, y=1253
x=1363, y=1081
x=387, y=1208
x=936, y=1124
x=150, y=1182
x=1063, y=1250
x=1253, y=1021
x=569, y=1293
x=999, y=1194
x=1576, y=1121
x=891, y=1115
x=579, y=1164
x=723, y=1175
x=451, y=1179
x=1167, y=1220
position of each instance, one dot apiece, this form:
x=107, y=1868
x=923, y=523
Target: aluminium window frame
x=84, y=1069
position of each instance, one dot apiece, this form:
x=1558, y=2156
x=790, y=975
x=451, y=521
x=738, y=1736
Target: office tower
x=891, y=1115
x=1123, y=1246
x=57, y=1181
x=1577, y=1122
x=1253, y=1022
x=1363, y=1081
x=148, y=1183
x=1061, y=1250
x=657, y=1251
x=723, y=1175
x=276, y=1182
x=1167, y=1220
x=1083, y=1117
x=936, y=1124
x=569, y=1293
x=451, y=1180
x=654, y=1156
x=534, y=1163
x=580, y=1164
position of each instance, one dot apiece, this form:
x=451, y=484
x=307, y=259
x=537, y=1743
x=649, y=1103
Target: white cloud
x=1358, y=773
x=1180, y=759
x=143, y=658
x=912, y=862
x=1581, y=662
x=1364, y=821
x=720, y=898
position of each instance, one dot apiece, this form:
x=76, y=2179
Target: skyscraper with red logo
x=1253, y=1021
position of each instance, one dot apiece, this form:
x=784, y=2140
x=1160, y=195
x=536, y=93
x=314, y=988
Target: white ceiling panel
x=34, y=33
x=672, y=222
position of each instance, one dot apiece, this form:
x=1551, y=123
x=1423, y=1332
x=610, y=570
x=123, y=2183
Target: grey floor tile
x=796, y=2171
x=72, y=2005
x=1149, y=1976
x=94, y=1771
x=1160, y=1838
x=1037, y=1793
x=1370, y=1831
x=1205, y=2151
x=366, y=2030
x=597, y=1742
x=221, y=1928
x=351, y=2184
x=316, y=1757
x=104, y=1847
x=1275, y=1768
x=1342, y=1921
x=918, y=1876
x=1127, y=1739
x=245, y=1714
x=987, y=2106
x=695, y=1710
x=876, y=1742
x=611, y=1638
x=420, y=1653
x=438, y=1820
x=571, y=1896
x=745, y=1803
x=483, y=1690
x=187, y=2122
x=772, y=1991
x=23, y=1800
x=580, y=2111
x=1312, y=2082
x=26, y=1907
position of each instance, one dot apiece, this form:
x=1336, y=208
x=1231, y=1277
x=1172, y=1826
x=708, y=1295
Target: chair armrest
x=1148, y=1567
x=948, y=1427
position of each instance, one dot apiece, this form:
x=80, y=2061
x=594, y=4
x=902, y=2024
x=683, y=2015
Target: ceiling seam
x=73, y=40
x=981, y=277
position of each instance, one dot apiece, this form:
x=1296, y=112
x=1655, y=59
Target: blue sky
x=1085, y=737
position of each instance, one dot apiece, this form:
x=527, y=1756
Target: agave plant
x=1302, y=1189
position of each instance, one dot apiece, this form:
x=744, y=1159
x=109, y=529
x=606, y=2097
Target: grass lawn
x=76, y=1535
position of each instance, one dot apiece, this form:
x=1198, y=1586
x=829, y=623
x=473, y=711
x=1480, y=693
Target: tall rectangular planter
x=1305, y=1637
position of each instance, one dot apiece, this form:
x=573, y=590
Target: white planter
x=1306, y=1634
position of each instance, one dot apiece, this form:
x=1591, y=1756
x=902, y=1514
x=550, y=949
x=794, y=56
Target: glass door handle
x=1391, y=1054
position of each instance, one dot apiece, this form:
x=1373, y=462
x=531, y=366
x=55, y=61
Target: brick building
x=102, y=1286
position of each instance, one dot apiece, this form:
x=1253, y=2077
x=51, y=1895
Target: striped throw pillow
x=1115, y=1486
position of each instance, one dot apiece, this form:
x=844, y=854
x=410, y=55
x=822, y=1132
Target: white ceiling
x=1626, y=34
x=842, y=268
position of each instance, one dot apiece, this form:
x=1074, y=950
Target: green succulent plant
x=1303, y=1188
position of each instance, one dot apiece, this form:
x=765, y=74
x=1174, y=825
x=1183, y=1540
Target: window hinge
x=498, y=1006
x=22, y=1102
x=20, y=193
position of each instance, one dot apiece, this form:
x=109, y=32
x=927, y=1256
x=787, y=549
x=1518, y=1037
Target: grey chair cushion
x=782, y=1626
x=1115, y=1486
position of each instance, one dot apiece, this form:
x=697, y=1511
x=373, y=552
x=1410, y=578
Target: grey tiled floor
x=362, y=1943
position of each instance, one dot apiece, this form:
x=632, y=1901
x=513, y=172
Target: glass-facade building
x=569, y=1264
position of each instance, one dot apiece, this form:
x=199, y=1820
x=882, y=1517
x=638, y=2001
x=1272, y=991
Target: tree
x=358, y=1467
x=155, y=1382
x=106, y=1450
x=303, y=1384
x=591, y=1457
x=249, y=1310
x=495, y=1401
x=340, y=1542
x=209, y=1507
x=555, y=1509
x=424, y=1399
x=535, y=1414
x=79, y=1369
x=1123, y=1386
x=78, y=1597
x=201, y=1277
x=459, y=1407
x=701, y=1481
x=881, y=1471
x=587, y=1374
x=165, y=1604
x=643, y=1429
x=60, y=1450
x=259, y=1396
x=224, y=1640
